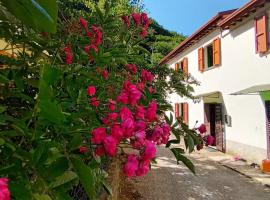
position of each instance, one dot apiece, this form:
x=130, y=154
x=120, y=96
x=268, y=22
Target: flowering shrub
x=79, y=98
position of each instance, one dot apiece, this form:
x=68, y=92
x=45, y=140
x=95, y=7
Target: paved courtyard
x=168, y=181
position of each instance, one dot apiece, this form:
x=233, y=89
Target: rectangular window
x=209, y=54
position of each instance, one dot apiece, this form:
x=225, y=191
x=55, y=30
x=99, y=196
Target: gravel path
x=168, y=181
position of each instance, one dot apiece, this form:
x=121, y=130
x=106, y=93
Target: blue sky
x=186, y=16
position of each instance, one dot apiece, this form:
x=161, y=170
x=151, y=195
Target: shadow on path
x=169, y=181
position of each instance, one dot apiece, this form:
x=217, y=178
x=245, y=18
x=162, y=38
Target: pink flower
x=149, y=151
x=110, y=145
x=143, y=168
x=125, y=20
x=139, y=114
x=105, y=74
x=97, y=35
x=98, y=135
x=145, y=20
x=112, y=116
x=151, y=90
x=202, y=129
x=134, y=94
x=157, y=134
x=123, y=97
x=4, y=191
x=140, y=136
x=94, y=102
x=210, y=140
x=132, y=68
x=100, y=151
x=116, y=132
x=151, y=111
x=111, y=105
x=125, y=113
x=83, y=22
x=83, y=149
x=140, y=86
x=69, y=58
x=105, y=121
x=166, y=129
x=92, y=46
x=128, y=127
x=147, y=76
x=143, y=33
x=69, y=54
x=91, y=90
x=136, y=18
x=131, y=166
x=139, y=125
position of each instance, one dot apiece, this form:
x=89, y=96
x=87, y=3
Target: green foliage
x=38, y=14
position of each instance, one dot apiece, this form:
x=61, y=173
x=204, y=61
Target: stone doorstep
x=238, y=166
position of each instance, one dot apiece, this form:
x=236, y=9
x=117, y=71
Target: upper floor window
x=182, y=65
x=210, y=55
x=261, y=32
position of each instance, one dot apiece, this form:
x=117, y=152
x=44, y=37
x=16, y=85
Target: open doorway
x=213, y=122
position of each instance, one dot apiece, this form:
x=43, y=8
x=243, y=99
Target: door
x=218, y=128
x=207, y=118
x=267, y=106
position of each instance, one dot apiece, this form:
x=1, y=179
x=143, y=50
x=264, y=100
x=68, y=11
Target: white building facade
x=230, y=58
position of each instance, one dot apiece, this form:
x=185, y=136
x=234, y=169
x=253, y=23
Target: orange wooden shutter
x=201, y=59
x=261, y=34
x=185, y=112
x=185, y=66
x=176, y=110
x=176, y=67
x=217, y=52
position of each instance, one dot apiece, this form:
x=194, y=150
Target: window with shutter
x=201, y=59
x=261, y=34
x=217, y=52
x=176, y=110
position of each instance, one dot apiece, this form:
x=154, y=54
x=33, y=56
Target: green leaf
x=58, y=167
x=50, y=74
x=190, y=143
x=38, y=14
x=85, y=175
x=172, y=142
x=68, y=176
x=41, y=154
x=42, y=197
x=52, y=112
x=2, y=141
x=3, y=79
x=19, y=190
x=76, y=142
x=179, y=157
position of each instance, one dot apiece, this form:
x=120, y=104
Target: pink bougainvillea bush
x=75, y=100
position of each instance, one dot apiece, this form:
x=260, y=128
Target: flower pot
x=265, y=166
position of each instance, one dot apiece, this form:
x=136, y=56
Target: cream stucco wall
x=241, y=68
